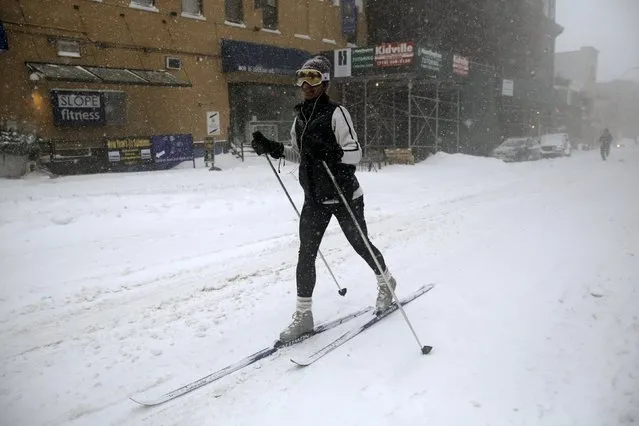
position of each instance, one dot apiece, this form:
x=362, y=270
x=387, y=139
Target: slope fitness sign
x=77, y=108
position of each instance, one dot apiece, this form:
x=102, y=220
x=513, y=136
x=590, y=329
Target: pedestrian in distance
x=605, y=140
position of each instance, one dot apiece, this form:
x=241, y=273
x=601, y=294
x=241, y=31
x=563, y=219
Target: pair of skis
x=310, y=359
x=302, y=362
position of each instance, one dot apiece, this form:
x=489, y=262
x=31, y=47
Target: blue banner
x=261, y=58
x=172, y=148
x=349, y=19
x=4, y=40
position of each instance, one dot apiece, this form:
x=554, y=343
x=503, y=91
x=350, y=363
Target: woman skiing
x=323, y=133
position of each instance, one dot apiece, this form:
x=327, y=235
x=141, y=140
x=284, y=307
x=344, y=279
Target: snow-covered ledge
x=268, y=30
x=192, y=16
x=303, y=36
x=235, y=24
x=329, y=41
x=134, y=5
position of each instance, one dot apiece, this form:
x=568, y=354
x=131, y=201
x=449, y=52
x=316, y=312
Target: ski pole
x=424, y=349
x=341, y=291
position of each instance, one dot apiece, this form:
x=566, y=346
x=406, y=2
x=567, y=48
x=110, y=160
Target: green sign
x=429, y=60
x=362, y=60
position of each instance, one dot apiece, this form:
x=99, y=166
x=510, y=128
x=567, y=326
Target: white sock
x=386, y=274
x=304, y=304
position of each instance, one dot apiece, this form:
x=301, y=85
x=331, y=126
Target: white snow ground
x=124, y=283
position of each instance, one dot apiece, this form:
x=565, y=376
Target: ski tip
x=426, y=350
x=300, y=363
x=141, y=401
x=146, y=402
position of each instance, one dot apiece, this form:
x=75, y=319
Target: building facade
x=580, y=67
x=85, y=73
x=525, y=40
x=576, y=76
x=510, y=45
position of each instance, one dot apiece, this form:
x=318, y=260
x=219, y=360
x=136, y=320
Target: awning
x=261, y=58
x=90, y=74
x=114, y=75
x=63, y=72
x=4, y=41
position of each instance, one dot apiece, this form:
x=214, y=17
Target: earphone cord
x=303, y=131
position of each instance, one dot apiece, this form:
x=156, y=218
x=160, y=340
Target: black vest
x=314, y=120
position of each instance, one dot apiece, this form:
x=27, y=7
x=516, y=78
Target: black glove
x=320, y=150
x=262, y=145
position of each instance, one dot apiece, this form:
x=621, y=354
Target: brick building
x=83, y=72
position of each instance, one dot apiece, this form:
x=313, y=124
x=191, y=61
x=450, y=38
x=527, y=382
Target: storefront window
x=265, y=104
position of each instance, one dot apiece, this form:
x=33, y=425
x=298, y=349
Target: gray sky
x=610, y=26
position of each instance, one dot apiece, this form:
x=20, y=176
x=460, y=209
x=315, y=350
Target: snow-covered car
x=518, y=149
x=555, y=145
x=624, y=142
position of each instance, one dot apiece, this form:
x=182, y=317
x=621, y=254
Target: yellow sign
x=129, y=143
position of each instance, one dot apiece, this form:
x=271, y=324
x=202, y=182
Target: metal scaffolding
x=404, y=111
x=454, y=112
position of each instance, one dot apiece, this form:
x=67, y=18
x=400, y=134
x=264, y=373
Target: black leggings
x=313, y=223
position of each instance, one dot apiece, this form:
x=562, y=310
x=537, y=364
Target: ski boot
x=302, y=324
x=384, y=295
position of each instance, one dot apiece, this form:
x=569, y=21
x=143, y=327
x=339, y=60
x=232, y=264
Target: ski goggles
x=310, y=77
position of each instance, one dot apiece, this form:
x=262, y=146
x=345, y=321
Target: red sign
x=394, y=54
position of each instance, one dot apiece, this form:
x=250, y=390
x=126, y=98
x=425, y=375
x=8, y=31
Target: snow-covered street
x=119, y=284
